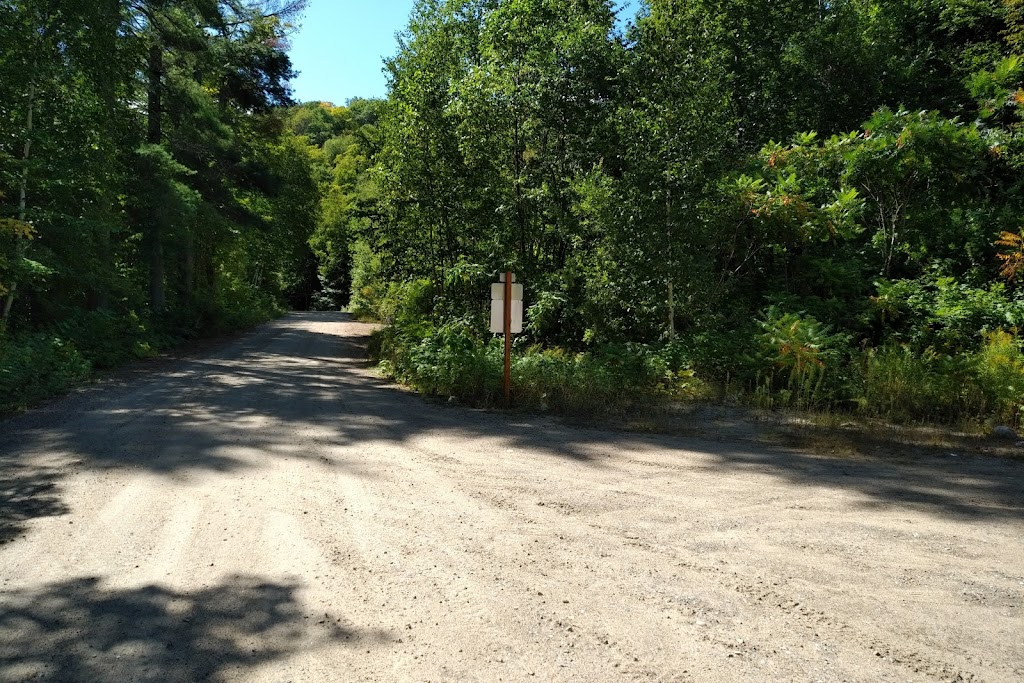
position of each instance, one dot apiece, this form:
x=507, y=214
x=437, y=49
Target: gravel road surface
x=274, y=511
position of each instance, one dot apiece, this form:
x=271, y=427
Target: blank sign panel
x=498, y=316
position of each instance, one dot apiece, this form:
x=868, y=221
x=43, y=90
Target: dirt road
x=274, y=511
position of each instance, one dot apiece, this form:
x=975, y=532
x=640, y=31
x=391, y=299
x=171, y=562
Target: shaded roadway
x=223, y=412
x=207, y=402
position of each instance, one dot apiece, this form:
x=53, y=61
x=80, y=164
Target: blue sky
x=340, y=47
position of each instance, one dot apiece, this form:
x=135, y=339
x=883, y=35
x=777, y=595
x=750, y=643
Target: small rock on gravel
x=1005, y=432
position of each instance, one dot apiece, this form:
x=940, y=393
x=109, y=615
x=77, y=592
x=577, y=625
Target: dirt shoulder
x=824, y=433
x=273, y=510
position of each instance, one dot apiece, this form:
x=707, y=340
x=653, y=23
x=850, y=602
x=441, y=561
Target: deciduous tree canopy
x=814, y=203
x=783, y=196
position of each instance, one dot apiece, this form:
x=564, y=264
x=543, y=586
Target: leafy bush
x=901, y=385
x=368, y=284
x=999, y=368
x=107, y=339
x=235, y=306
x=804, y=358
x=969, y=387
x=327, y=299
x=610, y=378
x=406, y=303
x=241, y=307
x=33, y=367
x=454, y=360
x=943, y=313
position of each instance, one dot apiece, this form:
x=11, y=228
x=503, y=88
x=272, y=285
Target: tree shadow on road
x=961, y=486
x=80, y=631
x=26, y=493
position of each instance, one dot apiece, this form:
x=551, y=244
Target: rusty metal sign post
x=507, y=319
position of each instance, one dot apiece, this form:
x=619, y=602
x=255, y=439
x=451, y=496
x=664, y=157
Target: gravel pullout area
x=274, y=511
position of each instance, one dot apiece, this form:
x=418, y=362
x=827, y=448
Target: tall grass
x=987, y=385
x=1000, y=370
x=903, y=386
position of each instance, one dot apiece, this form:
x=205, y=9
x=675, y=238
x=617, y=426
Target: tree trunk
x=22, y=195
x=108, y=88
x=671, y=312
x=190, y=266
x=154, y=136
x=671, y=264
x=154, y=71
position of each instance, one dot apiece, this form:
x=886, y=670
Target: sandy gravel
x=274, y=511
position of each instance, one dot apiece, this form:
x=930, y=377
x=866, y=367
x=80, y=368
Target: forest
x=781, y=203
x=150, y=189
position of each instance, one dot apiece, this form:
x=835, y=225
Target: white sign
x=498, y=316
x=498, y=291
x=498, y=306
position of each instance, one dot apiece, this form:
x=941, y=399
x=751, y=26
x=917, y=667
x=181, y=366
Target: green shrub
x=942, y=313
x=988, y=384
x=455, y=360
x=241, y=307
x=999, y=368
x=107, y=339
x=901, y=385
x=610, y=378
x=801, y=361
x=407, y=303
x=33, y=367
x=368, y=284
x=795, y=361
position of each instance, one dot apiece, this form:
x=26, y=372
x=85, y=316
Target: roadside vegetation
x=150, y=189
x=785, y=204
x=777, y=204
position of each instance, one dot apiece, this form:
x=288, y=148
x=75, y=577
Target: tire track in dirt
x=632, y=666
x=757, y=596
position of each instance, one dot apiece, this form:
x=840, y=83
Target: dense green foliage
x=36, y=366
x=150, y=189
x=792, y=203
x=341, y=143
x=454, y=360
x=804, y=203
